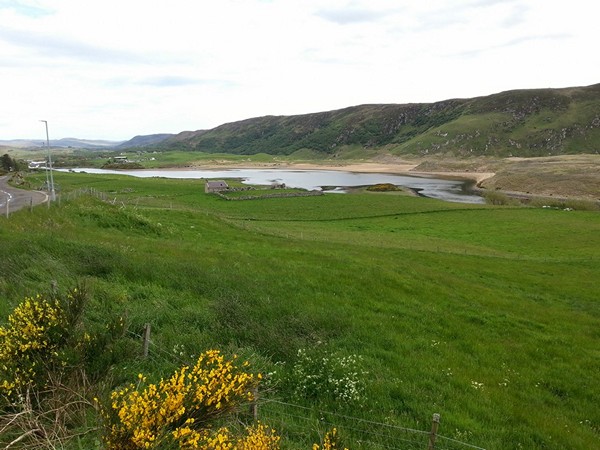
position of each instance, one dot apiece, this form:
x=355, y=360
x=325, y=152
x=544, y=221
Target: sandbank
x=366, y=167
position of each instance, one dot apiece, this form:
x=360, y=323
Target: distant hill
x=144, y=141
x=534, y=122
x=62, y=143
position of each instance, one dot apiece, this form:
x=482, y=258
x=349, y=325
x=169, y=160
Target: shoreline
x=397, y=169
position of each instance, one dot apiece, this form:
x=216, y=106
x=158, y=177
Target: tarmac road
x=18, y=198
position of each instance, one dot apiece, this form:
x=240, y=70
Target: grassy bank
x=486, y=315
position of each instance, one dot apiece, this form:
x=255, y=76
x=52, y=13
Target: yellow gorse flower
x=330, y=441
x=33, y=335
x=180, y=408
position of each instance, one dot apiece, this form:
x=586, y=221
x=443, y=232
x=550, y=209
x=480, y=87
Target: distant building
x=37, y=164
x=215, y=186
x=120, y=159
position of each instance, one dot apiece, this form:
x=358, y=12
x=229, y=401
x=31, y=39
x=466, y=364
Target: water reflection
x=327, y=180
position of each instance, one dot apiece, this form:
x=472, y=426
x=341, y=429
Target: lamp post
x=51, y=187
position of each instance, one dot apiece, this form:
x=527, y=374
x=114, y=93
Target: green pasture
x=486, y=315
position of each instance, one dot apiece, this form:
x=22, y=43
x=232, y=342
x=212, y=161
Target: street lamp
x=51, y=187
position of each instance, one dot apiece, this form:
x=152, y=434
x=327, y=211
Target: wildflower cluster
x=477, y=385
x=30, y=344
x=319, y=374
x=180, y=409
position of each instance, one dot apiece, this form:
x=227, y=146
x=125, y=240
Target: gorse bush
x=180, y=409
x=46, y=358
x=32, y=344
x=46, y=339
x=258, y=437
x=330, y=442
x=189, y=410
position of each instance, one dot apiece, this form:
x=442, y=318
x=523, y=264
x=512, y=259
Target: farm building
x=215, y=186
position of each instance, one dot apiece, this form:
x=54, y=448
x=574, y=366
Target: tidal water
x=333, y=181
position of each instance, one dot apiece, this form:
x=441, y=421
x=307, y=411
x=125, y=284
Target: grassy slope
x=434, y=295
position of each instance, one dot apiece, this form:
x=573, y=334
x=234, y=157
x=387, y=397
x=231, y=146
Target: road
x=17, y=198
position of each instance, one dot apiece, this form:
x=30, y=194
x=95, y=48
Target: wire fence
x=307, y=425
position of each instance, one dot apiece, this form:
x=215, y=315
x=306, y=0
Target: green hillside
x=537, y=122
x=486, y=315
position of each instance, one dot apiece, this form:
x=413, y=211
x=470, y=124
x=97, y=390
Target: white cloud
x=113, y=69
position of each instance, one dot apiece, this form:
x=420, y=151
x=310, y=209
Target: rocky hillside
x=537, y=122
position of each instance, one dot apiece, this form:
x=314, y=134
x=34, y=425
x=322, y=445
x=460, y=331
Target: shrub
x=383, y=187
x=30, y=345
x=330, y=441
x=44, y=389
x=46, y=339
x=180, y=410
x=498, y=198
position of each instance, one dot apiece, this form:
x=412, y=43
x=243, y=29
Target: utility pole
x=51, y=187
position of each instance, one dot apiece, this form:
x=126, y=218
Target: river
x=330, y=181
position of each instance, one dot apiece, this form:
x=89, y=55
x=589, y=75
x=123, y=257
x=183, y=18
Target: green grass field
x=487, y=315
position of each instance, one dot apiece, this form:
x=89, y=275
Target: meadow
x=487, y=315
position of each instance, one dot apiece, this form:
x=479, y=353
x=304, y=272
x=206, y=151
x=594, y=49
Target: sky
x=114, y=69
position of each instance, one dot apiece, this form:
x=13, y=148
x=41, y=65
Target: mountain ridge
x=525, y=122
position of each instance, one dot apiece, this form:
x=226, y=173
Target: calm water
x=326, y=180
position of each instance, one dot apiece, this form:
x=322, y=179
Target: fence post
x=146, y=340
x=31, y=205
x=434, y=429
x=254, y=404
x=7, y=202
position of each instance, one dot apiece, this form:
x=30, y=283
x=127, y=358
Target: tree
x=6, y=162
x=9, y=164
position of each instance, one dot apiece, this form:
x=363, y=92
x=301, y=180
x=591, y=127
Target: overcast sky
x=113, y=69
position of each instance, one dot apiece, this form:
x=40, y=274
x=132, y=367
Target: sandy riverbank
x=393, y=168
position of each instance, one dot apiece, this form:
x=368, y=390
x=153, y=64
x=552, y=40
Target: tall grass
x=488, y=316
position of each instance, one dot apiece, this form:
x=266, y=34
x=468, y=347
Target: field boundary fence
x=306, y=425
x=303, y=424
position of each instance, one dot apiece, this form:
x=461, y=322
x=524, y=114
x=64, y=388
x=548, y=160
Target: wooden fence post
x=434, y=429
x=146, y=340
x=254, y=404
